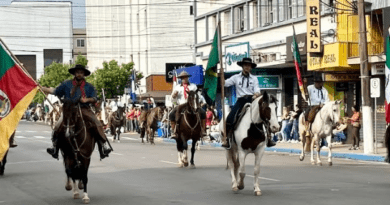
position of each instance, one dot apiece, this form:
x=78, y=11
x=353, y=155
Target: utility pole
x=365, y=83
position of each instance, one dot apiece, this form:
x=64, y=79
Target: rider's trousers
x=231, y=118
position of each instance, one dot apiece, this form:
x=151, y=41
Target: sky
x=78, y=12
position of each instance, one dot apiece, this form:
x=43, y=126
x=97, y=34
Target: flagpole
x=27, y=73
x=222, y=76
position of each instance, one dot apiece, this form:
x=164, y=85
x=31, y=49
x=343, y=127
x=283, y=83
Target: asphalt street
x=148, y=174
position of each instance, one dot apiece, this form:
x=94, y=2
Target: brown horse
x=142, y=124
x=76, y=144
x=117, y=122
x=189, y=127
x=154, y=115
x=4, y=161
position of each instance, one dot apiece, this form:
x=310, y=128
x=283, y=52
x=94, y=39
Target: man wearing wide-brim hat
x=247, y=89
x=179, y=96
x=79, y=91
x=318, y=96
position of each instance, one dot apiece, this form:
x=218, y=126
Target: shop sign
x=169, y=67
x=340, y=77
x=301, y=41
x=235, y=53
x=313, y=26
x=378, y=69
x=269, y=82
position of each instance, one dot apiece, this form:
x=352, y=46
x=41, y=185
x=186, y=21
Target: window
x=270, y=12
x=146, y=21
x=227, y=23
x=281, y=10
x=239, y=16
x=255, y=14
x=301, y=7
x=212, y=21
x=290, y=9
x=80, y=43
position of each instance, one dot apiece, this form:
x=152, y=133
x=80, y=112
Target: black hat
x=246, y=60
x=318, y=77
x=79, y=67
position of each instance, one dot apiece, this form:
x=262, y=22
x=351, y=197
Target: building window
x=146, y=20
x=212, y=21
x=80, y=43
x=281, y=10
x=270, y=12
x=290, y=9
x=301, y=7
x=255, y=14
x=239, y=16
x=227, y=23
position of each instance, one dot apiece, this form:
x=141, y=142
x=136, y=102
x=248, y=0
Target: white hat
x=120, y=104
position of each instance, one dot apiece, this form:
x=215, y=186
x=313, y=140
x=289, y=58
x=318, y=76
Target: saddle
x=310, y=116
x=240, y=115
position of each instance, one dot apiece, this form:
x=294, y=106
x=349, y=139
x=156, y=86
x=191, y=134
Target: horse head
x=335, y=112
x=192, y=100
x=268, y=108
x=120, y=112
x=160, y=113
x=69, y=116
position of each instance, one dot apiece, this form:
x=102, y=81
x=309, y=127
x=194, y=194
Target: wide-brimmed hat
x=184, y=74
x=246, y=60
x=79, y=67
x=318, y=78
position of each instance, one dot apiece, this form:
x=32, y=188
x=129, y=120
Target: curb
x=353, y=156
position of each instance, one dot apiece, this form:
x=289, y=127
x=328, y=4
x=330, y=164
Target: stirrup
x=228, y=143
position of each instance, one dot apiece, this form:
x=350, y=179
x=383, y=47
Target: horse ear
x=265, y=97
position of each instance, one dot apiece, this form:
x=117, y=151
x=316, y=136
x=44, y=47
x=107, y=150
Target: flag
x=387, y=74
x=103, y=107
x=17, y=90
x=133, y=95
x=298, y=65
x=211, y=77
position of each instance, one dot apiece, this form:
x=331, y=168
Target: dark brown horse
x=154, y=115
x=76, y=144
x=117, y=122
x=387, y=143
x=4, y=161
x=188, y=127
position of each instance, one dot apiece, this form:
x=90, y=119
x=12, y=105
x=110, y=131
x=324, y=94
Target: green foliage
x=82, y=60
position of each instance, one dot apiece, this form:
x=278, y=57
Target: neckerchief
x=247, y=82
x=77, y=84
x=322, y=94
x=185, y=90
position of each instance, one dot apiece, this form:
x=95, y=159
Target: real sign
x=313, y=20
x=235, y=53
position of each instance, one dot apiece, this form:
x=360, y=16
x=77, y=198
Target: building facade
x=148, y=33
x=38, y=33
x=79, y=43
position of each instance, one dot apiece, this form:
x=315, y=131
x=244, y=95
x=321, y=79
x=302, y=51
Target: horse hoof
x=81, y=185
x=241, y=187
x=76, y=196
x=68, y=187
x=235, y=189
x=180, y=165
x=301, y=158
x=319, y=163
x=186, y=164
x=86, y=200
x=313, y=163
x=330, y=163
x=258, y=193
x=192, y=166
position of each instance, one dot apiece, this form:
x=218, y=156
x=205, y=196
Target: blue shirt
x=65, y=88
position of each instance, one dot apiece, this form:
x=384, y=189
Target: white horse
x=322, y=127
x=250, y=137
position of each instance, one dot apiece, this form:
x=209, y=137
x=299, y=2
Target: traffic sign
x=375, y=88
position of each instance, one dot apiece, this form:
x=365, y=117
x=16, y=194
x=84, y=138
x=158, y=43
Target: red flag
x=297, y=62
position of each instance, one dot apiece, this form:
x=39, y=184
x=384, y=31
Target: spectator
x=295, y=128
x=165, y=124
x=215, y=134
x=209, y=119
x=285, y=119
x=355, y=122
x=131, y=118
x=137, y=114
x=339, y=132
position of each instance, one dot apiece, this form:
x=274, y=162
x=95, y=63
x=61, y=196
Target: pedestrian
x=137, y=113
x=165, y=123
x=339, y=132
x=285, y=119
x=209, y=119
x=355, y=122
x=215, y=134
x=295, y=129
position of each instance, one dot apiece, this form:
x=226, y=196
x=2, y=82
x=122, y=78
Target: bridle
x=192, y=111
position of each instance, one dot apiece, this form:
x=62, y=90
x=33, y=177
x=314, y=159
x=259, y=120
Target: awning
x=158, y=96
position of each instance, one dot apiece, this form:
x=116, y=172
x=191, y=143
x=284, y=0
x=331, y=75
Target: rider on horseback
x=247, y=87
x=180, y=95
x=73, y=90
x=318, y=96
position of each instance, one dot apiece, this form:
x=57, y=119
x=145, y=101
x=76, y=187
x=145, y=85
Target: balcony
x=374, y=48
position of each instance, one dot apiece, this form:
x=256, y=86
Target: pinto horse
x=250, y=136
x=117, y=122
x=76, y=144
x=188, y=127
x=322, y=127
x=4, y=161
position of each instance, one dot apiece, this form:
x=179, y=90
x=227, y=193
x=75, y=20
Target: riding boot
x=53, y=151
x=12, y=142
x=104, y=150
x=226, y=140
x=270, y=142
x=173, y=127
x=307, y=129
x=204, y=133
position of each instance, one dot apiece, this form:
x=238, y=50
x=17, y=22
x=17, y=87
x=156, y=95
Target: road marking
x=116, y=153
x=31, y=131
x=2, y=202
x=32, y=161
x=168, y=162
x=129, y=138
x=275, y=180
x=48, y=131
x=20, y=137
x=18, y=131
x=40, y=137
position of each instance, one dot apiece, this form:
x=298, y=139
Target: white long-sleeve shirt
x=244, y=85
x=180, y=96
x=316, y=98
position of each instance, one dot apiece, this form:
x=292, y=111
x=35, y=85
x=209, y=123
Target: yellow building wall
x=334, y=95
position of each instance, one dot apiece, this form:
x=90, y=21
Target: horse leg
x=118, y=133
x=241, y=171
x=86, y=199
x=318, y=148
x=185, y=156
x=179, y=147
x=303, y=140
x=76, y=194
x=231, y=158
x=312, y=151
x=328, y=139
x=68, y=185
x=194, y=143
x=258, y=156
x=152, y=137
x=2, y=164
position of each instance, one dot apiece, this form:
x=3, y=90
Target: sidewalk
x=338, y=151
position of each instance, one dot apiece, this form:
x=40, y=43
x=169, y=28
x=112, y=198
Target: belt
x=246, y=96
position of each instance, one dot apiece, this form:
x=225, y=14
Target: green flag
x=211, y=77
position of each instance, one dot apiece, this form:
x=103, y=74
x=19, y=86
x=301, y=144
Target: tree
x=82, y=60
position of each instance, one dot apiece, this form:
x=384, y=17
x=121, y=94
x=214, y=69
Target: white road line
x=275, y=180
x=31, y=131
x=18, y=131
x=129, y=138
x=116, y=153
x=20, y=137
x=32, y=161
x=168, y=162
x=48, y=131
x=40, y=137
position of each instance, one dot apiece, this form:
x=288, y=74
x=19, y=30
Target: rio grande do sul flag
x=17, y=90
x=387, y=74
x=297, y=63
